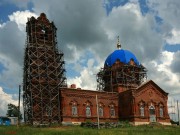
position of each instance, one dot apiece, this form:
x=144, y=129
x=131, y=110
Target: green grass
x=76, y=130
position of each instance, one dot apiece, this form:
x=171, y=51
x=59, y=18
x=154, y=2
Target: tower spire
x=118, y=43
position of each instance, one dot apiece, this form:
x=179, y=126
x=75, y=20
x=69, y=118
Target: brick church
x=123, y=92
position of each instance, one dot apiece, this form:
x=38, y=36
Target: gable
x=150, y=90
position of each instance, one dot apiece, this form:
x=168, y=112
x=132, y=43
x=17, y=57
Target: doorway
x=152, y=113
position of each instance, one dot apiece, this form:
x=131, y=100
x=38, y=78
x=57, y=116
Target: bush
x=124, y=124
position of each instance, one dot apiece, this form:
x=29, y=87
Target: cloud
x=2, y=25
x=175, y=66
x=5, y=100
x=135, y=30
x=160, y=72
x=11, y=77
x=86, y=25
x=169, y=12
x=87, y=78
x=12, y=44
x=78, y=23
x=12, y=39
x=21, y=17
x=173, y=37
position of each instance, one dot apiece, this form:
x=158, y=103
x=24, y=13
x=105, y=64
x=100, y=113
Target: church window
x=131, y=62
x=161, y=111
x=100, y=112
x=43, y=32
x=141, y=109
x=74, y=110
x=152, y=110
x=88, y=111
x=112, y=111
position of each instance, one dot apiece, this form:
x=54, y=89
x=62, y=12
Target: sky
x=87, y=34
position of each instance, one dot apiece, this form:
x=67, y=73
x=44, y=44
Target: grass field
x=77, y=130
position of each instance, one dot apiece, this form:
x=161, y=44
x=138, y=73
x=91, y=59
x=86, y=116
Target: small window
x=112, y=111
x=161, y=111
x=131, y=62
x=74, y=110
x=142, y=110
x=100, y=112
x=88, y=111
x=43, y=31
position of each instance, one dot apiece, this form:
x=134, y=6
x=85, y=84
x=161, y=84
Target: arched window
x=141, y=109
x=161, y=111
x=100, y=111
x=74, y=110
x=152, y=110
x=131, y=62
x=112, y=111
x=88, y=111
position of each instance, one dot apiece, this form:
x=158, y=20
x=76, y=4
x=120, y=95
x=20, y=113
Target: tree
x=13, y=111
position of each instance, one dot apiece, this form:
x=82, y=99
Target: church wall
x=149, y=97
x=125, y=105
x=85, y=98
x=134, y=105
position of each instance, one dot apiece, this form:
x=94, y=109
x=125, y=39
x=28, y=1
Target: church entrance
x=152, y=114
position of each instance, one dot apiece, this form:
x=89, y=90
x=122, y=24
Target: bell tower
x=44, y=73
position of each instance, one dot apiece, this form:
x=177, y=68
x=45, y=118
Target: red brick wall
x=150, y=95
x=81, y=97
x=125, y=105
x=129, y=103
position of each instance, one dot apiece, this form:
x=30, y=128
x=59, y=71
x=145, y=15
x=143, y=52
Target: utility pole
x=178, y=112
x=97, y=111
x=19, y=105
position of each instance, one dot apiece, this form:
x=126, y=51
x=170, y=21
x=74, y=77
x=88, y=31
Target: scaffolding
x=44, y=73
x=125, y=75
x=172, y=110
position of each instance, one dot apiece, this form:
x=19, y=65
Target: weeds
x=124, y=129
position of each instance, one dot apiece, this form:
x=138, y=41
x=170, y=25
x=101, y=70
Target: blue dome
x=123, y=55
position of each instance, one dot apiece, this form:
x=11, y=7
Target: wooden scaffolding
x=44, y=73
x=125, y=75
